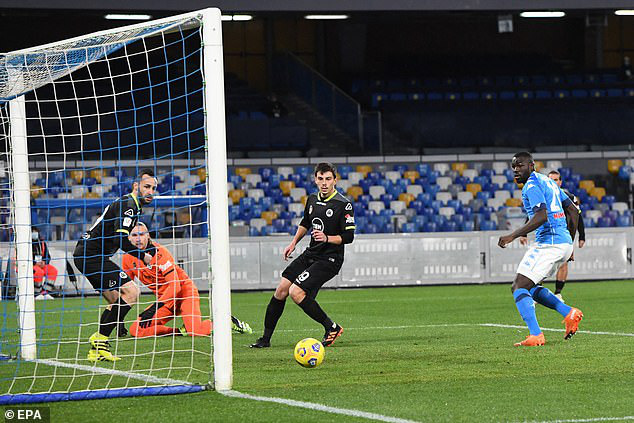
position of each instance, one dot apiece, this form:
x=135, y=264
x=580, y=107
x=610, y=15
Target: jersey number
x=554, y=188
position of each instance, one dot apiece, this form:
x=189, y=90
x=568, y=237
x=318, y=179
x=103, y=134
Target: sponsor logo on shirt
x=559, y=215
x=129, y=212
x=349, y=219
x=318, y=224
x=349, y=206
x=165, y=266
x=329, y=213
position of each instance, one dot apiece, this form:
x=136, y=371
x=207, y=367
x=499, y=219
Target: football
x=309, y=352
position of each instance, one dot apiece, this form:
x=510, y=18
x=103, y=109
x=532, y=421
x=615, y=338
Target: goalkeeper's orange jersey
x=162, y=276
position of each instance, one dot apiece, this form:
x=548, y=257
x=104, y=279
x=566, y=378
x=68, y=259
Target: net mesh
x=99, y=109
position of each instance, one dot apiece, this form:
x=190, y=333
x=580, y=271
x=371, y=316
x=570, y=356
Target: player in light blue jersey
x=554, y=217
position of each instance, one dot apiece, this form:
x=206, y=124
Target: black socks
x=273, y=313
x=559, y=285
x=110, y=318
x=312, y=309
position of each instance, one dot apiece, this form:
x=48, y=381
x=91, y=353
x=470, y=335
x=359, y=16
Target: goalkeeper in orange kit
x=176, y=294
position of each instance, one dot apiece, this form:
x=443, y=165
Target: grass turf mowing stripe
x=318, y=407
x=595, y=419
x=113, y=372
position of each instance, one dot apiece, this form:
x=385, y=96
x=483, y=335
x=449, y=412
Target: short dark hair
x=326, y=167
x=524, y=155
x=147, y=171
x=554, y=172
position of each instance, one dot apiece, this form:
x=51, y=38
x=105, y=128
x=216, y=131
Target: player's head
x=522, y=165
x=325, y=178
x=140, y=236
x=555, y=176
x=145, y=185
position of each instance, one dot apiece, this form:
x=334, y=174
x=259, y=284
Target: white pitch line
x=113, y=372
x=595, y=419
x=447, y=325
x=318, y=407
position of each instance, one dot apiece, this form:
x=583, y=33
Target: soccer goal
x=79, y=119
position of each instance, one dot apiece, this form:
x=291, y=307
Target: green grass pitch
x=417, y=353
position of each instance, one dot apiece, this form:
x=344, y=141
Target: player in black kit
x=92, y=257
x=331, y=217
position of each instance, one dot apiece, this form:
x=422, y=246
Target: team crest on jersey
x=123, y=275
x=310, y=209
x=129, y=212
x=318, y=224
x=329, y=213
x=349, y=206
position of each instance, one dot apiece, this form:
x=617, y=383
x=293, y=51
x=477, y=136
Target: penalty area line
x=317, y=407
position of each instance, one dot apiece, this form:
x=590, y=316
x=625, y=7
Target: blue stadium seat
x=275, y=180
x=385, y=183
x=400, y=168
x=608, y=199
x=488, y=225
x=419, y=221
x=509, y=175
x=408, y=227
x=235, y=179
x=625, y=172
x=386, y=212
x=253, y=231
x=268, y=230
x=467, y=212
x=247, y=202
x=484, y=195
x=439, y=220
x=449, y=226
x=359, y=210
x=425, y=198
x=285, y=201
x=468, y=225
x=364, y=199
x=304, y=171
x=430, y=227
x=458, y=219
x=604, y=222
x=404, y=183
x=435, y=205
x=371, y=229
x=365, y=185
x=456, y=204
x=575, y=177
x=487, y=172
x=344, y=170
x=374, y=177
x=423, y=169
x=387, y=198
x=461, y=180
x=622, y=221
x=396, y=190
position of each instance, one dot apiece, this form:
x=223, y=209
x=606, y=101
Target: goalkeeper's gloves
x=146, y=316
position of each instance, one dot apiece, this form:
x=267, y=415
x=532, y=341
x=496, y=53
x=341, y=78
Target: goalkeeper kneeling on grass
x=176, y=294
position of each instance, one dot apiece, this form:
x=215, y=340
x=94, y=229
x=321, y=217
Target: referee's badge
x=329, y=213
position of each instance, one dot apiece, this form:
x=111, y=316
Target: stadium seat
x=269, y=216
x=623, y=221
x=412, y=175
x=619, y=207
x=459, y=167
x=235, y=195
x=597, y=192
x=443, y=197
x=423, y=169
x=409, y=227
x=474, y=188
x=488, y=225
x=364, y=170
x=465, y=197
x=443, y=182
x=604, y=222
x=495, y=203
x=586, y=184
x=355, y=177
x=343, y=185
x=499, y=167
x=286, y=187
x=392, y=176
x=255, y=193
x=354, y=192
x=593, y=215
x=242, y=172
x=502, y=195
x=406, y=198
x=441, y=168
x=614, y=165
x=297, y=193
x=513, y=202
x=376, y=191
x=608, y=199
x=430, y=227
x=376, y=206
x=285, y=171
x=76, y=175
x=553, y=164
x=470, y=174
x=414, y=190
x=388, y=198
x=253, y=178
x=446, y=211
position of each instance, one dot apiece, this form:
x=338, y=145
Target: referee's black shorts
x=310, y=273
x=100, y=271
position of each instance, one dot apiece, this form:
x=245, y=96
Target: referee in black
x=331, y=217
x=92, y=257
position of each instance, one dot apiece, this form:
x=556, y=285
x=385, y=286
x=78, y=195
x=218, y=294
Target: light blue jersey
x=540, y=191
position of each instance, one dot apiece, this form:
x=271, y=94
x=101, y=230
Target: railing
x=296, y=76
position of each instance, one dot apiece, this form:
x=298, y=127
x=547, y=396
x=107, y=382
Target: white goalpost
x=80, y=118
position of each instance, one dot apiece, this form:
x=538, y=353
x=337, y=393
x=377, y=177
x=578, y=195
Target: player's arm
x=171, y=289
x=346, y=226
x=302, y=230
x=127, y=265
x=571, y=211
x=537, y=202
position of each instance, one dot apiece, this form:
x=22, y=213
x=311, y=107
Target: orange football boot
x=532, y=341
x=572, y=322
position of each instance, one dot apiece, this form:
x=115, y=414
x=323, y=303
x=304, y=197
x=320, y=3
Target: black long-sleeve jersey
x=333, y=215
x=110, y=231
x=580, y=226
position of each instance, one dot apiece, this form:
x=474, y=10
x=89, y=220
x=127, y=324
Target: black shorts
x=310, y=273
x=100, y=271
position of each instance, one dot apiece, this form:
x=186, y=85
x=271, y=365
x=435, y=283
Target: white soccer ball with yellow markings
x=309, y=352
